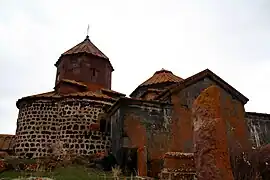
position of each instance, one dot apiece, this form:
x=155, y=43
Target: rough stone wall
x=42, y=124
x=116, y=134
x=157, y=123
x=182, y=123
x=212, y=159
x=146, y=126
x=259, y=128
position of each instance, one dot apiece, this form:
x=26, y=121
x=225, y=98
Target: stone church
x=87, y=116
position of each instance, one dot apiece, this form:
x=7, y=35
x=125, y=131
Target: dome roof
x=86, y=46
x=162, y=76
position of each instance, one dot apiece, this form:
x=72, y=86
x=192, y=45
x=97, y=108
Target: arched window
x=94, y=74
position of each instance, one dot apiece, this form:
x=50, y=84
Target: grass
x=73, y=172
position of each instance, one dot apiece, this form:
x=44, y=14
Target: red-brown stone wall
x=182, y=130
x=80, y=68
x=152, y=145
x=138, y=139
x=211, y=146
x=147, y=128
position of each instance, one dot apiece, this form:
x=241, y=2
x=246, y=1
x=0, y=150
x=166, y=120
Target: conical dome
x=160, y=80
x=162, y=76
x=86, y=46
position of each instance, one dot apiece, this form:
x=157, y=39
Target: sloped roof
x=74, y=82
x=112, y=92
x=162, y=76
x=55, y=95
x=199, y=76
x=86, y=46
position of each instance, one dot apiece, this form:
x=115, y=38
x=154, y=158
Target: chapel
x=86, y=116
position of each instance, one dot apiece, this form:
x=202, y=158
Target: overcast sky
x=230, y=37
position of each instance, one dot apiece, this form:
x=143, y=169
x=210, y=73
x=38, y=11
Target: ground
x=74, y=172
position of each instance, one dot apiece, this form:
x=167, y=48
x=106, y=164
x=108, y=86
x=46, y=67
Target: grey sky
x=230, y=37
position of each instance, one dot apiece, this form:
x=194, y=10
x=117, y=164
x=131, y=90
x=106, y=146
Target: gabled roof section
x=86, y=47
x=162, y=76
x=199, y=76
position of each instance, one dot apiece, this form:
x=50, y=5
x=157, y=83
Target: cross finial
x=87, y=33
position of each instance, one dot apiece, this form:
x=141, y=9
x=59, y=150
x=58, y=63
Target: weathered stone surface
x=41, y=124
x=138, y=137
x=136, y=124
x=259, y=128
x=178, y=166
x=263, y=158
x=234, y=114
x=210, y=144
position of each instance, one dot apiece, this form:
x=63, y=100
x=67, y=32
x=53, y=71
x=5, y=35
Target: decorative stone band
x=143, y=178
x=178, y=165
x=177, y=174
x=179, y=155
x=179, y=171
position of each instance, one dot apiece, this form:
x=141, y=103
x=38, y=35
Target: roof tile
x=74, y=82
x=162, y=76
x=54, y=94
x=86, y=47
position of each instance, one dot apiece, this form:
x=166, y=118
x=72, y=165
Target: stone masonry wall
x=259, y=128
x=147, y=127
x=43, y=124
x=181, y=119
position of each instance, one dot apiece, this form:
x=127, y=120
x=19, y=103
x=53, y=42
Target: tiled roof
x=6, y=141
x=89, y=94
x=199, y=76
x=86, y=47
x=155, y=90
x=51, y=94
x=74, y=82
x=113, y=92
x=162, y=76
x=55, y=95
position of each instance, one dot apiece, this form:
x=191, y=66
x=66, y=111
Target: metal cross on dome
x=87, y=30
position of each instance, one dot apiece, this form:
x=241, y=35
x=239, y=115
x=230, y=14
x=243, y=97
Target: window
x=94, y=74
